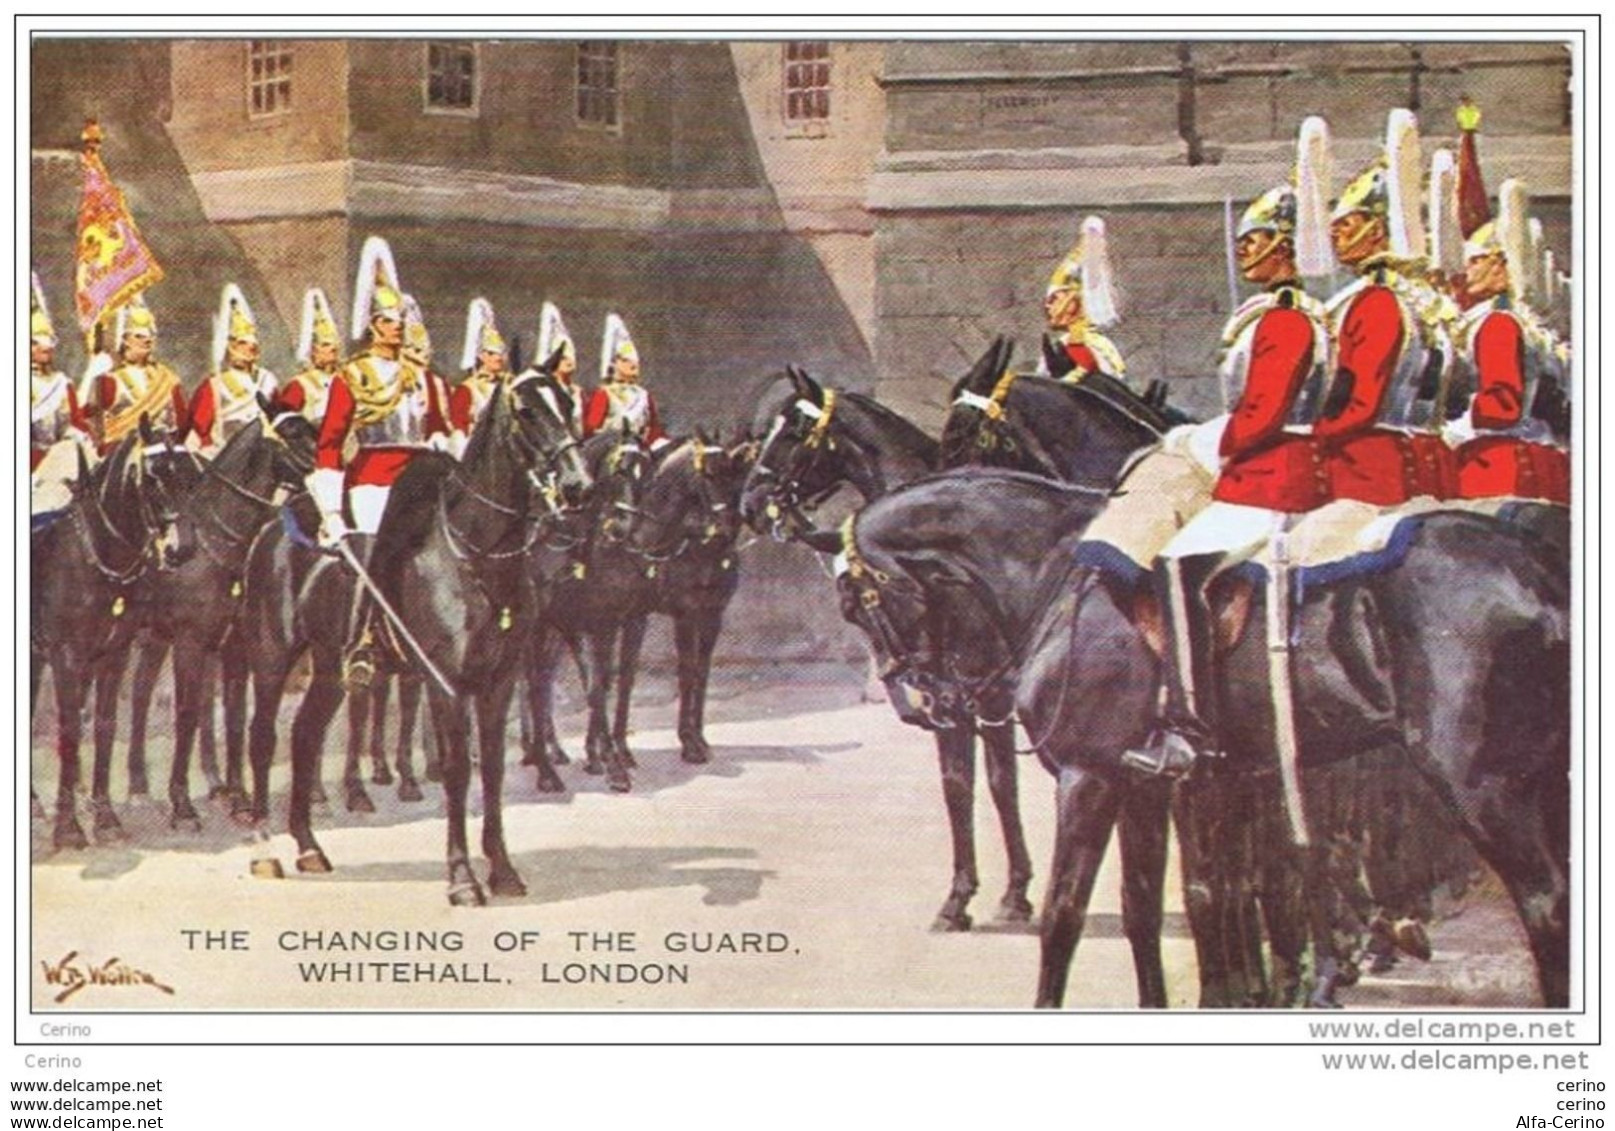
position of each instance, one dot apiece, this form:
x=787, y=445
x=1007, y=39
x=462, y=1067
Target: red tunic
x=106, y=396
x=376, y=465
x=1267, y=466
x=1496, y=465
x=597, y=410
x=1363, y=462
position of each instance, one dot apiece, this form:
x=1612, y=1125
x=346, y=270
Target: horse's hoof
x=557, y=755
x=218, y=792
x=314, y=862
x=108, y=829
x=507, y=884
x=68, y=835
x=318, y=796
x=530, y=757
x=620, y=782
x=627, y=757
x=381, y=775
x=593, y=765
x=947, y=924
x=549, y=781
x=269, y=869
x=409, y=790
x=696, y=753
x=468, y=894
x=244, y=818
x=1016, y=909
x=1413, y=939
x=359, y=801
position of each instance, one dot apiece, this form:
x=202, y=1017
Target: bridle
x=700, y=524
x=999, y=430
x=815, y=442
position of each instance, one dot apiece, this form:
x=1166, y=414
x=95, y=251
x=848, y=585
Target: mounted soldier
x=1216, y=492
x=1503, y=449
x=319, y=351
x=227, y=400
x=116, y=394
x=386, y=410
x=56, y=424
x=620, y=397
x=485, y=364
x=1079, y=302
x=555, y=364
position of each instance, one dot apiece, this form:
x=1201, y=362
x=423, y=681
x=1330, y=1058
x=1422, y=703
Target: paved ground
x=817, y=833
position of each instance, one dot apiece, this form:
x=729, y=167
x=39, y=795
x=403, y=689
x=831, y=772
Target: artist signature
x=73, y=974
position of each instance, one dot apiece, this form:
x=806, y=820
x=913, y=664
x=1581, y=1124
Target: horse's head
x=622, y=468
x=292, y=438
x=799, y=459
x=691, y=498
x=542, y=433
x=979, y=430
x=155, y=477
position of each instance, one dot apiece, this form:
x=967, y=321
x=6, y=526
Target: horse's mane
x=910, y=437
x=1118, y=397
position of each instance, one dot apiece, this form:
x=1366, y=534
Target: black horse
x=449, y=559
x=192, y=609
x=816, y=440
x=1422, y=655
x=685, y=527
x=591, y=590
x=88, y=572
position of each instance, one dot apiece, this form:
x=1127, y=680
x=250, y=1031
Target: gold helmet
x=416, y=338
x=1086, y=267
x=481, y=333
x=1509, y=234
x=134, y=320
x=40, y=330
x=376, y=290
x=1390, y=188
x=617, y=345
x=1296, y=210
x=318, y=326
x=233, y=323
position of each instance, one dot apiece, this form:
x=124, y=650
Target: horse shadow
x=557, y=875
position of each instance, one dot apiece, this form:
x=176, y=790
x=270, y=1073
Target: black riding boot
x=359, y=654
x=1187, y=728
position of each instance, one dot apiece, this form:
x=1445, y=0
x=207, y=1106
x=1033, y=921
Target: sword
x=346, y=551
x=1283, y=689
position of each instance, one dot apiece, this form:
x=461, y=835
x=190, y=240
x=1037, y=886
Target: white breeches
x=366, y=504
x=1237, y=532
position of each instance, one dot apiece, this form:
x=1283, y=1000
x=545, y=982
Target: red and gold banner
x=114, y=263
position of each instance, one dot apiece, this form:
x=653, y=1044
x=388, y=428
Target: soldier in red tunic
x=1080, y=301
x=1505, y=451
x=319, y=346
x=555, y=366
x=620, y=397
x=116, y=395
x=227, y=400
x=393, y=409
x=484, y=362
x=54, y=414
x=1276, y=349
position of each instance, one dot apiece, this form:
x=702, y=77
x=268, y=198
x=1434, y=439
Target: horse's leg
x=526, y=737
x=409, y=705
x=542, y=656
x=956, y=757
x=464, y=890
x=357, y=800
x=1142, y=834
x=631, y=641
x=1085, y=812
x=314, y=716
x=599, y=676
x=233, y=675
x=70, y=690
x=1195, y=810
x=191, y=698
x=998, y=753
x=493, y=707
x=1281, y=897
x=148, y=667
x=205, y=723
x=1243, y=926
x=552, y=740
x=108, y=680
x=380, y=693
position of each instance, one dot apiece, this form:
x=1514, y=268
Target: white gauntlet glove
x=325, y=488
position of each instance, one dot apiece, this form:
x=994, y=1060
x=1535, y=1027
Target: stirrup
x=1169, y=753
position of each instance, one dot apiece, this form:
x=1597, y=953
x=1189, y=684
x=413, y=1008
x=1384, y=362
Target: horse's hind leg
x=205, y=723
x=1085, y=813
x=69, y=682
x=36, y=675
x=600, y=677
x=191, y=699
x=409, y=705
x=956, y=758
x=379, y=694
x=108, y=681
x=233, y=676
x=632, y=640
x=450, y=713
x=358, y=801
x=542, y=656
x=1142, y=833
x=492, y=709
x=998, y=753
x=148, y=667
x=314, y=716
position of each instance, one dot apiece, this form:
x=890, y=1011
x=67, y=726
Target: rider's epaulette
x=1246, y=313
